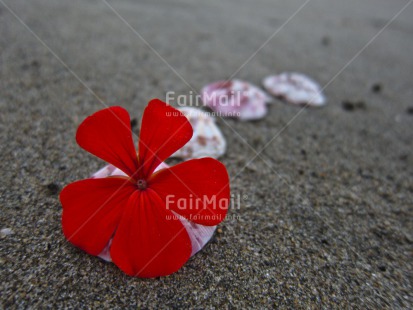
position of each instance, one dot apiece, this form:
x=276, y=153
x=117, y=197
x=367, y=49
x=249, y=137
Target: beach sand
x=325, y=215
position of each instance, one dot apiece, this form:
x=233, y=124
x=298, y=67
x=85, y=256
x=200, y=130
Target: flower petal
x=92, y=209
x=107, y=134
x=197, y=189
x=164, y=130
x=198, y=234
x=150, y=241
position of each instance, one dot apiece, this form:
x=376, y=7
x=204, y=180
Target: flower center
x=141, y=184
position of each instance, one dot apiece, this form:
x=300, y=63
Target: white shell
x=199, y=234
x=295, y=88
x=236, y=98
x=207, y=140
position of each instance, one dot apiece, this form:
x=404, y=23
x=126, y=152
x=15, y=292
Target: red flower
x=148, y=240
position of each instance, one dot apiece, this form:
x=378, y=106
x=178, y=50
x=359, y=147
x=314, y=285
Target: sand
x=325, y=219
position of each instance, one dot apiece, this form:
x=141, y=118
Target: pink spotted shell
x=236, y=98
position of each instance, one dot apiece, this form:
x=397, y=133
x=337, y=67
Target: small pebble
x=382, y=268
x=6, y=232
x=133, y=123
x=35, y=64
x=403, y=157
x=353, y=105
x=155, y=82
x=325, y=41
x=53, y=188
x=376, y=88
